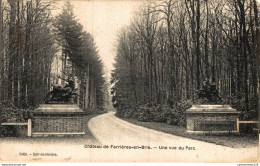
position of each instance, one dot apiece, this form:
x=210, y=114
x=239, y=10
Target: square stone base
x=219, y=118
x=58, y=119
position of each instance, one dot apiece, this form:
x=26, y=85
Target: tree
x=172, y=46
x=80, y=58
x=26, y=65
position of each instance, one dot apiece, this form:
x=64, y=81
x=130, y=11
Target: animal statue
x=209, y=92
x=61, y=94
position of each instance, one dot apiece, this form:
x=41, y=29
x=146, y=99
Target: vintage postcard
x=129, y=81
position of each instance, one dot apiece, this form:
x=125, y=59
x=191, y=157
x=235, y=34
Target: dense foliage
x=80, y=58
x=10, y=113
x=156, y=113
x=30, y=41
x=171, y=46
x=27, y=48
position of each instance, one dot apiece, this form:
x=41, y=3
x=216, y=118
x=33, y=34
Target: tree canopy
x=172, y=46
x=80, y=58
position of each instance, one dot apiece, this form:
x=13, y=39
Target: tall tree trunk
x=25, y=78
x=257, y=54
x=213, y=68
x=198, y=45
x=193, y=44
x=256, y=49
x=87, y=88
x=18, y=58
x=244, y=40
x=206, y=41
x=12, y=51
x=2, y=59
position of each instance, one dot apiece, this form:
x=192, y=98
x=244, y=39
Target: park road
x=114, y=137
x=119, y=135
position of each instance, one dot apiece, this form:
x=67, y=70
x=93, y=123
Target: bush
x=124, y=111
x=177, y=115
x=152, y=112
x=9, y=113
x=162, y=114
x=240, y=105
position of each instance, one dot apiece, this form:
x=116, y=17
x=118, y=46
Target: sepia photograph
x=129, y=81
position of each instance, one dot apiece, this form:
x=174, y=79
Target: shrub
x=177, y=113
x=240, y=105
x=152, y=112
x=162, y=114
x=142, y=113
x=9, y=113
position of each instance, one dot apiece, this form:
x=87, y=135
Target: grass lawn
x=234, y=140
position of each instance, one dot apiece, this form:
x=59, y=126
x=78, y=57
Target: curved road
x=110, y=130
x=112, y=135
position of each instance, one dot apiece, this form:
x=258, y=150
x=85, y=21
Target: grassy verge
x=229, y=140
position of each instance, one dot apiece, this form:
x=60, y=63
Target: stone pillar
x=29, y=128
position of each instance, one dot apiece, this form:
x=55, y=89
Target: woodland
x=39, y=50
x=172, y=46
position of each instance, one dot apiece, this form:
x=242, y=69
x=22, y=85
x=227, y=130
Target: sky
x=103, y=19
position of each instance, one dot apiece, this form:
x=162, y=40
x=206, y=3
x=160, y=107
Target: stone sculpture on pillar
x=208, y=94
x=62, y=95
